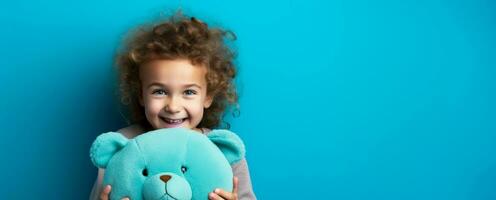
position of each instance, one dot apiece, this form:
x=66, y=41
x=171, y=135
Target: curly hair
x=179, y=37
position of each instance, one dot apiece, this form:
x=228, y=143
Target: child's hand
x=105, y=193
x=220, y=194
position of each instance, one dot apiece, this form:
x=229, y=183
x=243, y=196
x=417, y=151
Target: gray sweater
x=240, y=170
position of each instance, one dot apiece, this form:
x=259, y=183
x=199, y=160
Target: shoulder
x=132, y=131
x=205, y=131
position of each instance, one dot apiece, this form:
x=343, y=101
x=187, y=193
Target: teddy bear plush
x=172, y=163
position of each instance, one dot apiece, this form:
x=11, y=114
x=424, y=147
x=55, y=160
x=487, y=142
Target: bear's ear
x=229, y=143
x=105, y=146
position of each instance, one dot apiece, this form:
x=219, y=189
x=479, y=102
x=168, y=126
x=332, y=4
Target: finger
x=223, y=194
x=213, y=196
x=235, y=185
x=125, y=198
x=105, y=192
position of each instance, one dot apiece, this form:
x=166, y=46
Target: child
x=178, y=73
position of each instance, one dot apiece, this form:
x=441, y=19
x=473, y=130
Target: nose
x=173, y=105
x=165, y=178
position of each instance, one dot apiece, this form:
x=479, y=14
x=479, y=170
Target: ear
x=229, y=143
x=208, y=101
x=105, y=146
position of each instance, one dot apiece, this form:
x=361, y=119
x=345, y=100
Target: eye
x=145, y=172
x=189, y=92
x=184, y=169
x=159, y=92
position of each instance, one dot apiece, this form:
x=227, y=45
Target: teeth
x=173, y=121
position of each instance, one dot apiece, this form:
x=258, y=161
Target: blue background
x=341, y=99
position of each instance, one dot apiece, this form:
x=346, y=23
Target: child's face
x=174, y=93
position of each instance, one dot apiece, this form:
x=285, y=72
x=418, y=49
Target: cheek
x=153, y=107
x=197, y=107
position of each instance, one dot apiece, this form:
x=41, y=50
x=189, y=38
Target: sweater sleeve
x=245, y=190
x=97, y=187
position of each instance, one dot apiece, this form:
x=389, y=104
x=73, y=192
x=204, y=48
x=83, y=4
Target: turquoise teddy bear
x=172, y=163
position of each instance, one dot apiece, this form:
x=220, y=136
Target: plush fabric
x=173, y=163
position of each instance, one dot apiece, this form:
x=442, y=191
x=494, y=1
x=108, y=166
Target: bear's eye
x=145, y=172
x=184, y=169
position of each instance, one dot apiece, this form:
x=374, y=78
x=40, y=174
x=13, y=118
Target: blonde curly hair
x=179, y=37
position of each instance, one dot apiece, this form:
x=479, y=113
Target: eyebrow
x=163, y=85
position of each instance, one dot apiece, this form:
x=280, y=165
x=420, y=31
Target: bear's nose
x=165, y=178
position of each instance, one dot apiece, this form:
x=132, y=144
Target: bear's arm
x=245, y=190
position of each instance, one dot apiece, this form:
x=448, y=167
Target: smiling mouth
x=173, y=122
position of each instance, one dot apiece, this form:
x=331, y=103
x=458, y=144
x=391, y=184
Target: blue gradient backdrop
x=342, y=99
